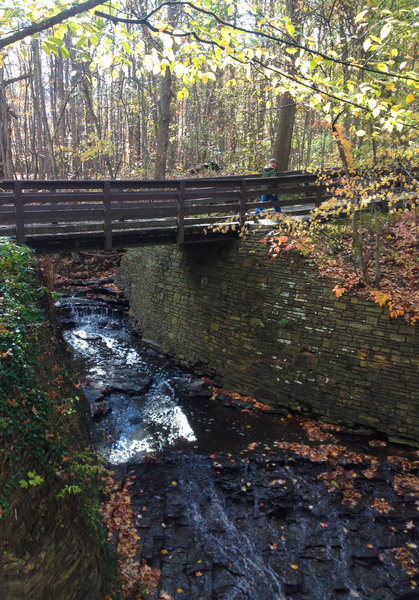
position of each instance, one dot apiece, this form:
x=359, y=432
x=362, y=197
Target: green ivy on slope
x=23, y=405
x=43, y=440
x=39, y=418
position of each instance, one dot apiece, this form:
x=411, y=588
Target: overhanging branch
x=76, y=9
x=15, y=79
x=288, y=42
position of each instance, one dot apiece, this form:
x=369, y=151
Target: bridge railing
x=67, y=212
x=79, y=213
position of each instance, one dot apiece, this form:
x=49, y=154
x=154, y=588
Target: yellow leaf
x=289, y=27
x=379, y=297
x=339, y=291
x=174, y=482
x=367, y=44
x=294, y=566
x=385, y=30
x=164, y=551
x=410, y=98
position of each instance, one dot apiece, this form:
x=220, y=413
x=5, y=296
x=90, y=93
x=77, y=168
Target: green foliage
x=33, y=480
x=70, y=490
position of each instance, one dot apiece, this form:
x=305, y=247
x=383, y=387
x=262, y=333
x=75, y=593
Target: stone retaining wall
x=274, y=330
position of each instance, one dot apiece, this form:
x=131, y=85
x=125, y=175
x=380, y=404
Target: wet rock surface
x=233, y=503
x=264, y=527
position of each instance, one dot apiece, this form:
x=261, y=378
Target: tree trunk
x=162, y=142
x=284, y=131
x=4, y=131
x=6, y=159
x=309, y=139
x=87, y=90
x=42, y=106
x=287, y=109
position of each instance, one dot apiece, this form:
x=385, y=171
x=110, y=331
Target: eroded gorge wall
x=274, y=330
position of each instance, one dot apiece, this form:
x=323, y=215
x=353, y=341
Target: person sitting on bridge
x=269, y=171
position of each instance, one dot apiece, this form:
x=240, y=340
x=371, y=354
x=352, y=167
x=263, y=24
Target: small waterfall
x=219, y=527
x=90, y=314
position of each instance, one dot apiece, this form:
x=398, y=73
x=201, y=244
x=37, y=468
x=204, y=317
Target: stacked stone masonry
x=272, y=329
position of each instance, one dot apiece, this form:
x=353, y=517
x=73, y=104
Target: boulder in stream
x=99, y=409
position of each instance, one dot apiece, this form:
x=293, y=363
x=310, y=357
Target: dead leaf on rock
x=382, y=506
x=406, y=558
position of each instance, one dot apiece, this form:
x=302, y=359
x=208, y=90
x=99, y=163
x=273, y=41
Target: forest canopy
x=138, y=89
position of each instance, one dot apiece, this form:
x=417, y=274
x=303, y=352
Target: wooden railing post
x=181, y=213
x=19, y=216
x=107, y=214
x=243, y=198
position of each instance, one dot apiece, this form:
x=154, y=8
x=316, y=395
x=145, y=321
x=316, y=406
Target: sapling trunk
x=357, y=242
x=377, y=270
x=359, y=245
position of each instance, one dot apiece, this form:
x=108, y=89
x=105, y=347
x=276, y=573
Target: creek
x=227, y=496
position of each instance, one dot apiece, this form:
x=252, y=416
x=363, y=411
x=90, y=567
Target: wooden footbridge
x=75, y=214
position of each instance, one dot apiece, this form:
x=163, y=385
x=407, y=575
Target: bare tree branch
x=14, y=79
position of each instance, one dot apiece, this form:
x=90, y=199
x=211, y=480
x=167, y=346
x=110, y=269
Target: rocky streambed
x=232, y=500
